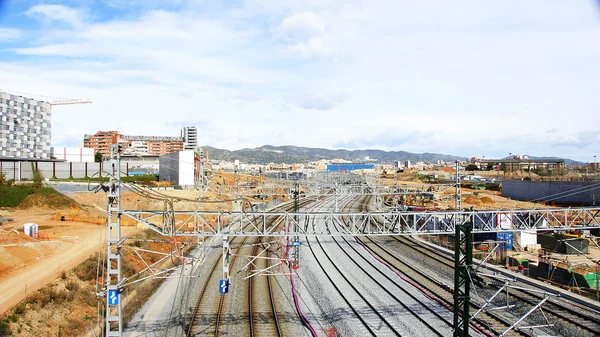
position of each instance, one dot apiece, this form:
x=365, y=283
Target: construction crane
x=71, y=101
x=58, y=101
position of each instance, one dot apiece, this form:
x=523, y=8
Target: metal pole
x=296, y=229
x=510, y=161
x=457, y=205
x=114, y=313
x=463, y=259
x=594, y=167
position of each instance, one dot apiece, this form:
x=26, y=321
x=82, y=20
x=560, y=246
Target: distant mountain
x=295, y=154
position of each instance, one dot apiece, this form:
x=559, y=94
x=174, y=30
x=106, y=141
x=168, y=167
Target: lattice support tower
x=463, y=259
x=114, y=278
x=457, y=205
x=296, y=193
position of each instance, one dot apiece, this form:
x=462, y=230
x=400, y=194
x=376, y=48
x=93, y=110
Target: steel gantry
x=218, y=223
x=204, y=224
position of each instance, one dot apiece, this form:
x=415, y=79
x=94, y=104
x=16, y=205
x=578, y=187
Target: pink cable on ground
x=423, y=290
x=304, y=320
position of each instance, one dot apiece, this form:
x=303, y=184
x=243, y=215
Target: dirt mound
x=472, y=200
x=487, y=200
x=48, y=197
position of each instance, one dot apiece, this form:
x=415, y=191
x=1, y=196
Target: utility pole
x=114, y=280
x=594, y=167
x=463, y=259
x=457, y=181
x=296, y=239
x=510, y=161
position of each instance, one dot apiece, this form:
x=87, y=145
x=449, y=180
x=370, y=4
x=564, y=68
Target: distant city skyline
x=465, y=79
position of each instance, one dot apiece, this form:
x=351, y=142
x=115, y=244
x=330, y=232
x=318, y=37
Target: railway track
x=210, y=311
x=384, y=307
x=261, y=301
x=570, y=319
x=571, y=314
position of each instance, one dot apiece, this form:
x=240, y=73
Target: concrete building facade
x=181, y=168
x=25, y=127
x=190, y=137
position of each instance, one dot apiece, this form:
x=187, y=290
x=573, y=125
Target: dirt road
x=41, y=262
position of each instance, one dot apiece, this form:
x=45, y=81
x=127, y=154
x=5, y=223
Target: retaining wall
x=571, y=192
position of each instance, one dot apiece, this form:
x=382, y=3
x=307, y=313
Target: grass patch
x=26, y=196
x=49, y=197
x=13, y=196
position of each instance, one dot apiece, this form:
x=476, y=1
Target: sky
x=469, y=78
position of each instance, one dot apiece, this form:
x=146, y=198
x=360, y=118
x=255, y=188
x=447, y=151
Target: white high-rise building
x=190, y=137
x=25, y=127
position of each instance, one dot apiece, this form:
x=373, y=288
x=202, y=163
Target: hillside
x=295, y=154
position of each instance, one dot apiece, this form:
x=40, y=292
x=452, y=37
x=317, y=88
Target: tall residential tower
x=190, y=137
x=25, y=127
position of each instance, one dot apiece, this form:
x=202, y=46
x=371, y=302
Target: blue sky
x=468, y=78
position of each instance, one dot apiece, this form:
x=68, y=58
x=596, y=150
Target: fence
x=23, y=170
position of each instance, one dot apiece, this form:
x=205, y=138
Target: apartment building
x=101, y=141
x=156, y=146
x=190, y=137
x=25, y=127
x=133, y=145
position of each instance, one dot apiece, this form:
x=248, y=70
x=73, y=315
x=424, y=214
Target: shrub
x=72, y=285
x=5, y=328
x=87, y=271
x=38, y=179
x=20, y=308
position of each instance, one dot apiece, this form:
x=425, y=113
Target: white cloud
x=10, y=34
x=66, y=14
x=469, y=79
x=302, y=26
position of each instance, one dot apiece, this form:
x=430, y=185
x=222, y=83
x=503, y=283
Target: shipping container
x=507, y=238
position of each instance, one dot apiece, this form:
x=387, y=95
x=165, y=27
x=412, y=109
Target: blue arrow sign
x=113, y=297
x=224, y=286
x=296, y=243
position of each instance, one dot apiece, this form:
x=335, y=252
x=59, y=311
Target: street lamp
x=594, y=167
x=510, y=161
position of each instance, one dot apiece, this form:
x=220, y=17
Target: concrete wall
x=23, y=170
x=169, y=168
x=186, y=168
x=73, y=154
x=573, y=192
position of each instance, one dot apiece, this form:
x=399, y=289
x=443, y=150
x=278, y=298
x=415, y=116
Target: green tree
x=472, y=167
x=98, y=157
x=38, y=179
